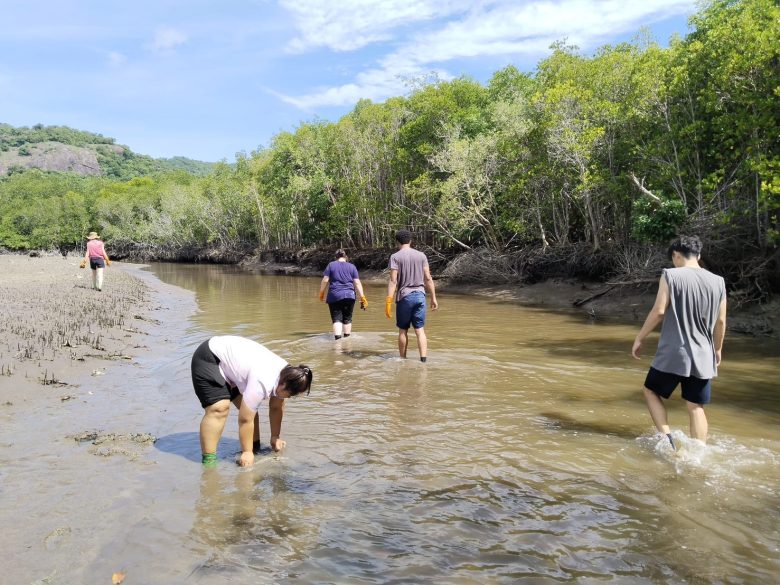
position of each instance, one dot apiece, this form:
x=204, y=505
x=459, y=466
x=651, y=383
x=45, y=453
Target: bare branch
x=643, y=189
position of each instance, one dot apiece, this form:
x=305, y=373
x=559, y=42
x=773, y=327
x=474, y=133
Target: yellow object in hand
x=108, y=262
x=363, y=302
x=389, y=307
x=83, y=264
x=322, y=295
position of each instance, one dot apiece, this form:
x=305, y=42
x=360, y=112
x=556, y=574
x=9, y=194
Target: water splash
x=721, y=462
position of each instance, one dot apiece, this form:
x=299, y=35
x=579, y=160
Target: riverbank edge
x=595, y=300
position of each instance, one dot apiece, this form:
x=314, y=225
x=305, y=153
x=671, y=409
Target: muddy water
x=520, y=453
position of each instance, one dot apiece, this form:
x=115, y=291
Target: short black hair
x=403, y=236
x=688, y=246
x=296, y=379
x=340, y=253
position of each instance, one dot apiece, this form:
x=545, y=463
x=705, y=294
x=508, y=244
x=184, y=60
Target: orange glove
x=322, y=295
x=83, y=264
x=389, y=307
x=363, y=302
x=108, y=262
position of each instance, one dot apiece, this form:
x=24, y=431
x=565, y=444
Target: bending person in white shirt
x=234, y=369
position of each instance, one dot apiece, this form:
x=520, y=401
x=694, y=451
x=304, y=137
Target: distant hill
x=63, y=149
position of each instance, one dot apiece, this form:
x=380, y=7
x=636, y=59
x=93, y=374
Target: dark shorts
x=410, y=310
x=694, y=390
x=341, y=311
x=96, y=263
x=210, y=386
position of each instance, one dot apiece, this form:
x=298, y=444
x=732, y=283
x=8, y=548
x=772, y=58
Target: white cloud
x=166, y=39
x=501, y=27
x=116, y=59
x=347, y=25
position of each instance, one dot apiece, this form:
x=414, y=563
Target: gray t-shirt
x=410, y=264
x=686, y=347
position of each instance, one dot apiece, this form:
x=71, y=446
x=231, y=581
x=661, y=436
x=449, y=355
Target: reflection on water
x=520, y=453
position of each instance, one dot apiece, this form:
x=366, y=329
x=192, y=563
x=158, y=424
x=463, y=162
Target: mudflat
x=54, y=328
x=81, y=409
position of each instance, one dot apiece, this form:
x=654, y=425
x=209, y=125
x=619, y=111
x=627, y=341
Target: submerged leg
x=699, y=426
x=422, y=343
x=212, y=425
x=403, y=341
x=657, y=411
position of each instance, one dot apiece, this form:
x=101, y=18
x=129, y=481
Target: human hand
x=278, y=444
x=637, y=348
x=247, y=459
x=434, y=304
x=717, y=357
x=83, y=264
x=389, y=307
x=363, y=302
x=108, y=262
x=322, y=295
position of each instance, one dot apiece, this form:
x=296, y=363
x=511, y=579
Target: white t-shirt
x=249, y=366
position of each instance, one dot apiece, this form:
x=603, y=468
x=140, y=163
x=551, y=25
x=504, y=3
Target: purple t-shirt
x=341, y=285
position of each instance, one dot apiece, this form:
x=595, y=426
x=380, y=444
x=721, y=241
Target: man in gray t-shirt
x=691, y=303
x=410, y=277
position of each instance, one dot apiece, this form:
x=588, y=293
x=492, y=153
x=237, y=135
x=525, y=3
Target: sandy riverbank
x=598, y=300
x=55, y=328
x=63, y=342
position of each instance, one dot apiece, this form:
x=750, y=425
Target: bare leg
x=94, y=278
x=347, y=329
x=99, y=278
x=212, y=425
x=657, y=411
x=422, y=342
x=403, y=341
x=699, y=425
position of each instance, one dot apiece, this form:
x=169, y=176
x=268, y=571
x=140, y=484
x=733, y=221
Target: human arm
x=430, y=287
x=720, y=331
x=246, y=429
x=392, y=285
x=654, y=317
x=323, y=287
x=360, y=294
x=275, y=415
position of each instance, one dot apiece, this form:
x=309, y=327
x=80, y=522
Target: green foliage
x=525, y=159
x=656, y=222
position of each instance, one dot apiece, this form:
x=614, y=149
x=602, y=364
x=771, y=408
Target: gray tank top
x=686, y=347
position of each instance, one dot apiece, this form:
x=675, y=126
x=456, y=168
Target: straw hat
x=93, y=236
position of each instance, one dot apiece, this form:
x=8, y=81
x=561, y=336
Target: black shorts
x=341, y=311
x=210, y=386
x=96, y=263
x=696, y=390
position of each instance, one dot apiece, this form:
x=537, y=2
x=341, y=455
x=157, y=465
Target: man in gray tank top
x=410, y=277
x=691, y=303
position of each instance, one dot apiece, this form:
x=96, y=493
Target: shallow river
x=520, y=453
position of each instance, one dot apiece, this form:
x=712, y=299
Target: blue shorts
x=96, y=262
x=694, y=390
x=410, y=310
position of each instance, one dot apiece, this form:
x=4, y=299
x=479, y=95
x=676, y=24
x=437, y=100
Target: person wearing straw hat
x=97, y=258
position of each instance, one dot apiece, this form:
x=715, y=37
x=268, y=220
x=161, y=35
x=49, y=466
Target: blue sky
x=209, y=78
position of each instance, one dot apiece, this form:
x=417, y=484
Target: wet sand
x=79, y=403
x=59, y=336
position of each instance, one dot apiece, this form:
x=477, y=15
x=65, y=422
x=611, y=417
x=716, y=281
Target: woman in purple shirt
x=341, y=281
